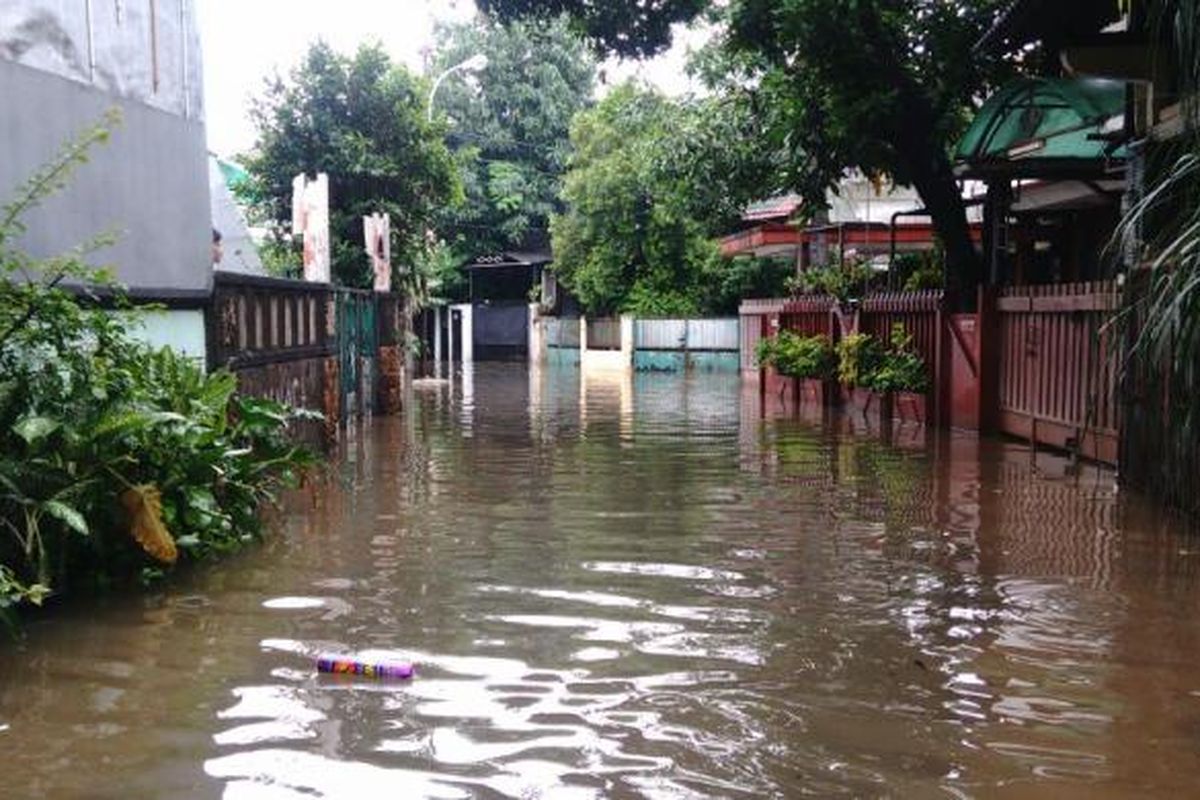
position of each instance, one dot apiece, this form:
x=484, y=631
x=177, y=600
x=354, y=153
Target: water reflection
x=643, y=586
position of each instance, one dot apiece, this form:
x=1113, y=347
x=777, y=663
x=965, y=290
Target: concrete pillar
x=437, y=341
x=537, y=335
x=627, y=342
x=582, y=337
x=450, y=340
x=466, y=332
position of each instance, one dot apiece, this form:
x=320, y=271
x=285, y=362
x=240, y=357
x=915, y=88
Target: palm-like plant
x=1161, y=316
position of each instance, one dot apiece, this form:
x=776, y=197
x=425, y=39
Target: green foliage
x=1158, y=239
x=282, y=257
x=796, y=356
x=625, y=27
x=362, y=120
x=919, y=270
x=842, y=281
x=877, y=85
x=864, y=362
x=87, y=413
x=632, y=237
x=859, y=354
x=733, y=280
x=899, y=368
x=507, y=125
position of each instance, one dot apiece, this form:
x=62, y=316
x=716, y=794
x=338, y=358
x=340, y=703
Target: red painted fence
x=1035, y=362
x=1058, y=382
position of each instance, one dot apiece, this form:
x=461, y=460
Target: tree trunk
x=933, y=177
x=911, y=125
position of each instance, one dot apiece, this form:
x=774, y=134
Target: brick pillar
x=331, y=399
x=389, y=379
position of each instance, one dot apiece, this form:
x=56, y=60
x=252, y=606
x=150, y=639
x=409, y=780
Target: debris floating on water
x=344, y=665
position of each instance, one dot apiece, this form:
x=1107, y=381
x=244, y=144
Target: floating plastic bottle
x=345, y=665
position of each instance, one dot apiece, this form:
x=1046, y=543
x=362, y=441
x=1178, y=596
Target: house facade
x=63, y=65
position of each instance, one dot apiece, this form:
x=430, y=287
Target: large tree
x=362, y=120
x=645, y=195
x=881, y=85
x=507, y=125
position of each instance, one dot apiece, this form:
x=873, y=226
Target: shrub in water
x=115, y=459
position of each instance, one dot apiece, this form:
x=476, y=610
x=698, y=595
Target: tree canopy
x=636, y=235
x=362, y=120
x=881, y=85
x=507, y=125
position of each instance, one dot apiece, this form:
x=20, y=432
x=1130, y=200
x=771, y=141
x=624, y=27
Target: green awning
x=1039, y=127
x=233, y=174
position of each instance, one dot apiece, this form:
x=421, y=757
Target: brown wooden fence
x=811, y=316
x=919, y=312
x=259, y=320
x=310, y=345
x=1058, y=381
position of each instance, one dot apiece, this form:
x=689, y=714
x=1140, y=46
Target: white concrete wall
x=181, y=330
x=607, y=359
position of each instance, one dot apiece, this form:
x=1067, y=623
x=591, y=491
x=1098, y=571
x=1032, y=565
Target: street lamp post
x=472, y=64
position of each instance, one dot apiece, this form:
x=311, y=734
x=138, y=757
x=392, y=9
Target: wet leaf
x=68, y=515
x=34, y=428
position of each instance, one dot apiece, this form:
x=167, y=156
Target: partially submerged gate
x=358, y=345
x=501, y=331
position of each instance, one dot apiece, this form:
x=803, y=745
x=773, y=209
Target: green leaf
x=68, y=515
x=35, y=427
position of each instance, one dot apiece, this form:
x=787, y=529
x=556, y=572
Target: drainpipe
x=916, y=212
x=919, y=212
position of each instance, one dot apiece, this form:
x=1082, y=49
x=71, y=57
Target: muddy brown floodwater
x=642, y=587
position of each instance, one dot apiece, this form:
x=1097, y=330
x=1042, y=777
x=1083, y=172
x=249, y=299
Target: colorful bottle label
x=340, y=665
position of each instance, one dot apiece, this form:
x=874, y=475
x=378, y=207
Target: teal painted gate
x=358, y=346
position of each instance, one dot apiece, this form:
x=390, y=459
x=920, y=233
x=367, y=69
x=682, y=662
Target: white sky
x=246, y=40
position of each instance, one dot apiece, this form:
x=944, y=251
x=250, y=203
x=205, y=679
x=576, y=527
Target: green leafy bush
x=899, y=368
x=796, y=356
x=764, y=351
x=858, y=355
x=111, y=451
x=842, y=281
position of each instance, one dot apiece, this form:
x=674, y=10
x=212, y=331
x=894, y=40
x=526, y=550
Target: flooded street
x=642, y=587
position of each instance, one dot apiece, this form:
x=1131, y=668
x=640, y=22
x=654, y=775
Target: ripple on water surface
x=641, y=587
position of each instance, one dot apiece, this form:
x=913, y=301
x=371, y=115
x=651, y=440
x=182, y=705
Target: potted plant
x=859, y=355
x=900, y=374
x=812, y=362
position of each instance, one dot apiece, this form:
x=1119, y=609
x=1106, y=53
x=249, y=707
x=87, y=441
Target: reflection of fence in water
x=1051, y=526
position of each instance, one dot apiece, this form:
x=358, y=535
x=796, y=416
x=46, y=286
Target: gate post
x=537, y=335
x=331, y=400
x=391, y=341
x=437, y=341
x=987, y=352
x=466, y=333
